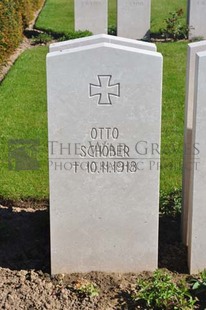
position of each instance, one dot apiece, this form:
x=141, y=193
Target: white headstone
x=196, y=18
x=133, y=18
x=189, y=149
x=197, y=231
x=99, y=38
x=91, y=15
x=104, y=114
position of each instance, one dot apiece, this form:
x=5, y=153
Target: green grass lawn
x=24, y=116
x=161, y=10
x=174, y=74
x=58, y=15
x=49, y=19
x=23, y=105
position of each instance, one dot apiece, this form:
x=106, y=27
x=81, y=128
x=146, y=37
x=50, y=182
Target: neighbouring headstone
x=133, y=18
x=104, y=115
x=189, y=148
x=91, y=15
x=197, y=240
x=196, y=18
x=99, y=38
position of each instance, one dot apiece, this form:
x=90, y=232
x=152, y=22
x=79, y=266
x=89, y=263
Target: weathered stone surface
x=91, y=15
x=133, y=18
x=197, y=240
x=104, y=114
x=189, y=149
x=196, y=18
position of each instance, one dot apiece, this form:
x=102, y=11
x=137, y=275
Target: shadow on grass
x=172, y=253
x=24, y=238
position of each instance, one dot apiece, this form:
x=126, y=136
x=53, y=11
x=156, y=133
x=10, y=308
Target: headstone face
x=99, y=38
x=91, y=15
x=104, y=130
x=189, y=149
x=133, y=18
x=197, y=240
x=196, y=18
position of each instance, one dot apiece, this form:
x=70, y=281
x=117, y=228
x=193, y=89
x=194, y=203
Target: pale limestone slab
x=104, y=114
x=91, y=15
x=189, y=150
x=133, y=18
x=99, y=38
x=197, y=240
x=197, y=19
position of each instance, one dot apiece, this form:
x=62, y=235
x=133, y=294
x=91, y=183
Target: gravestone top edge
x=104, y=44
x=197, y=44
x=201, y=54
x=102, y=36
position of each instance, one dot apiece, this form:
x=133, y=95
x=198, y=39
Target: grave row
x=133, y=17
x=194, y=172
x=104, y=121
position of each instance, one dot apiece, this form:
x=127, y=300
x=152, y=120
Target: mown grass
x=58, y=15
x=24, y=116
x=23, y=105
x=112, y=16
x=174, y=74
x=160, y=11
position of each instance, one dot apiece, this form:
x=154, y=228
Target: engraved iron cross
x=104, y=90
